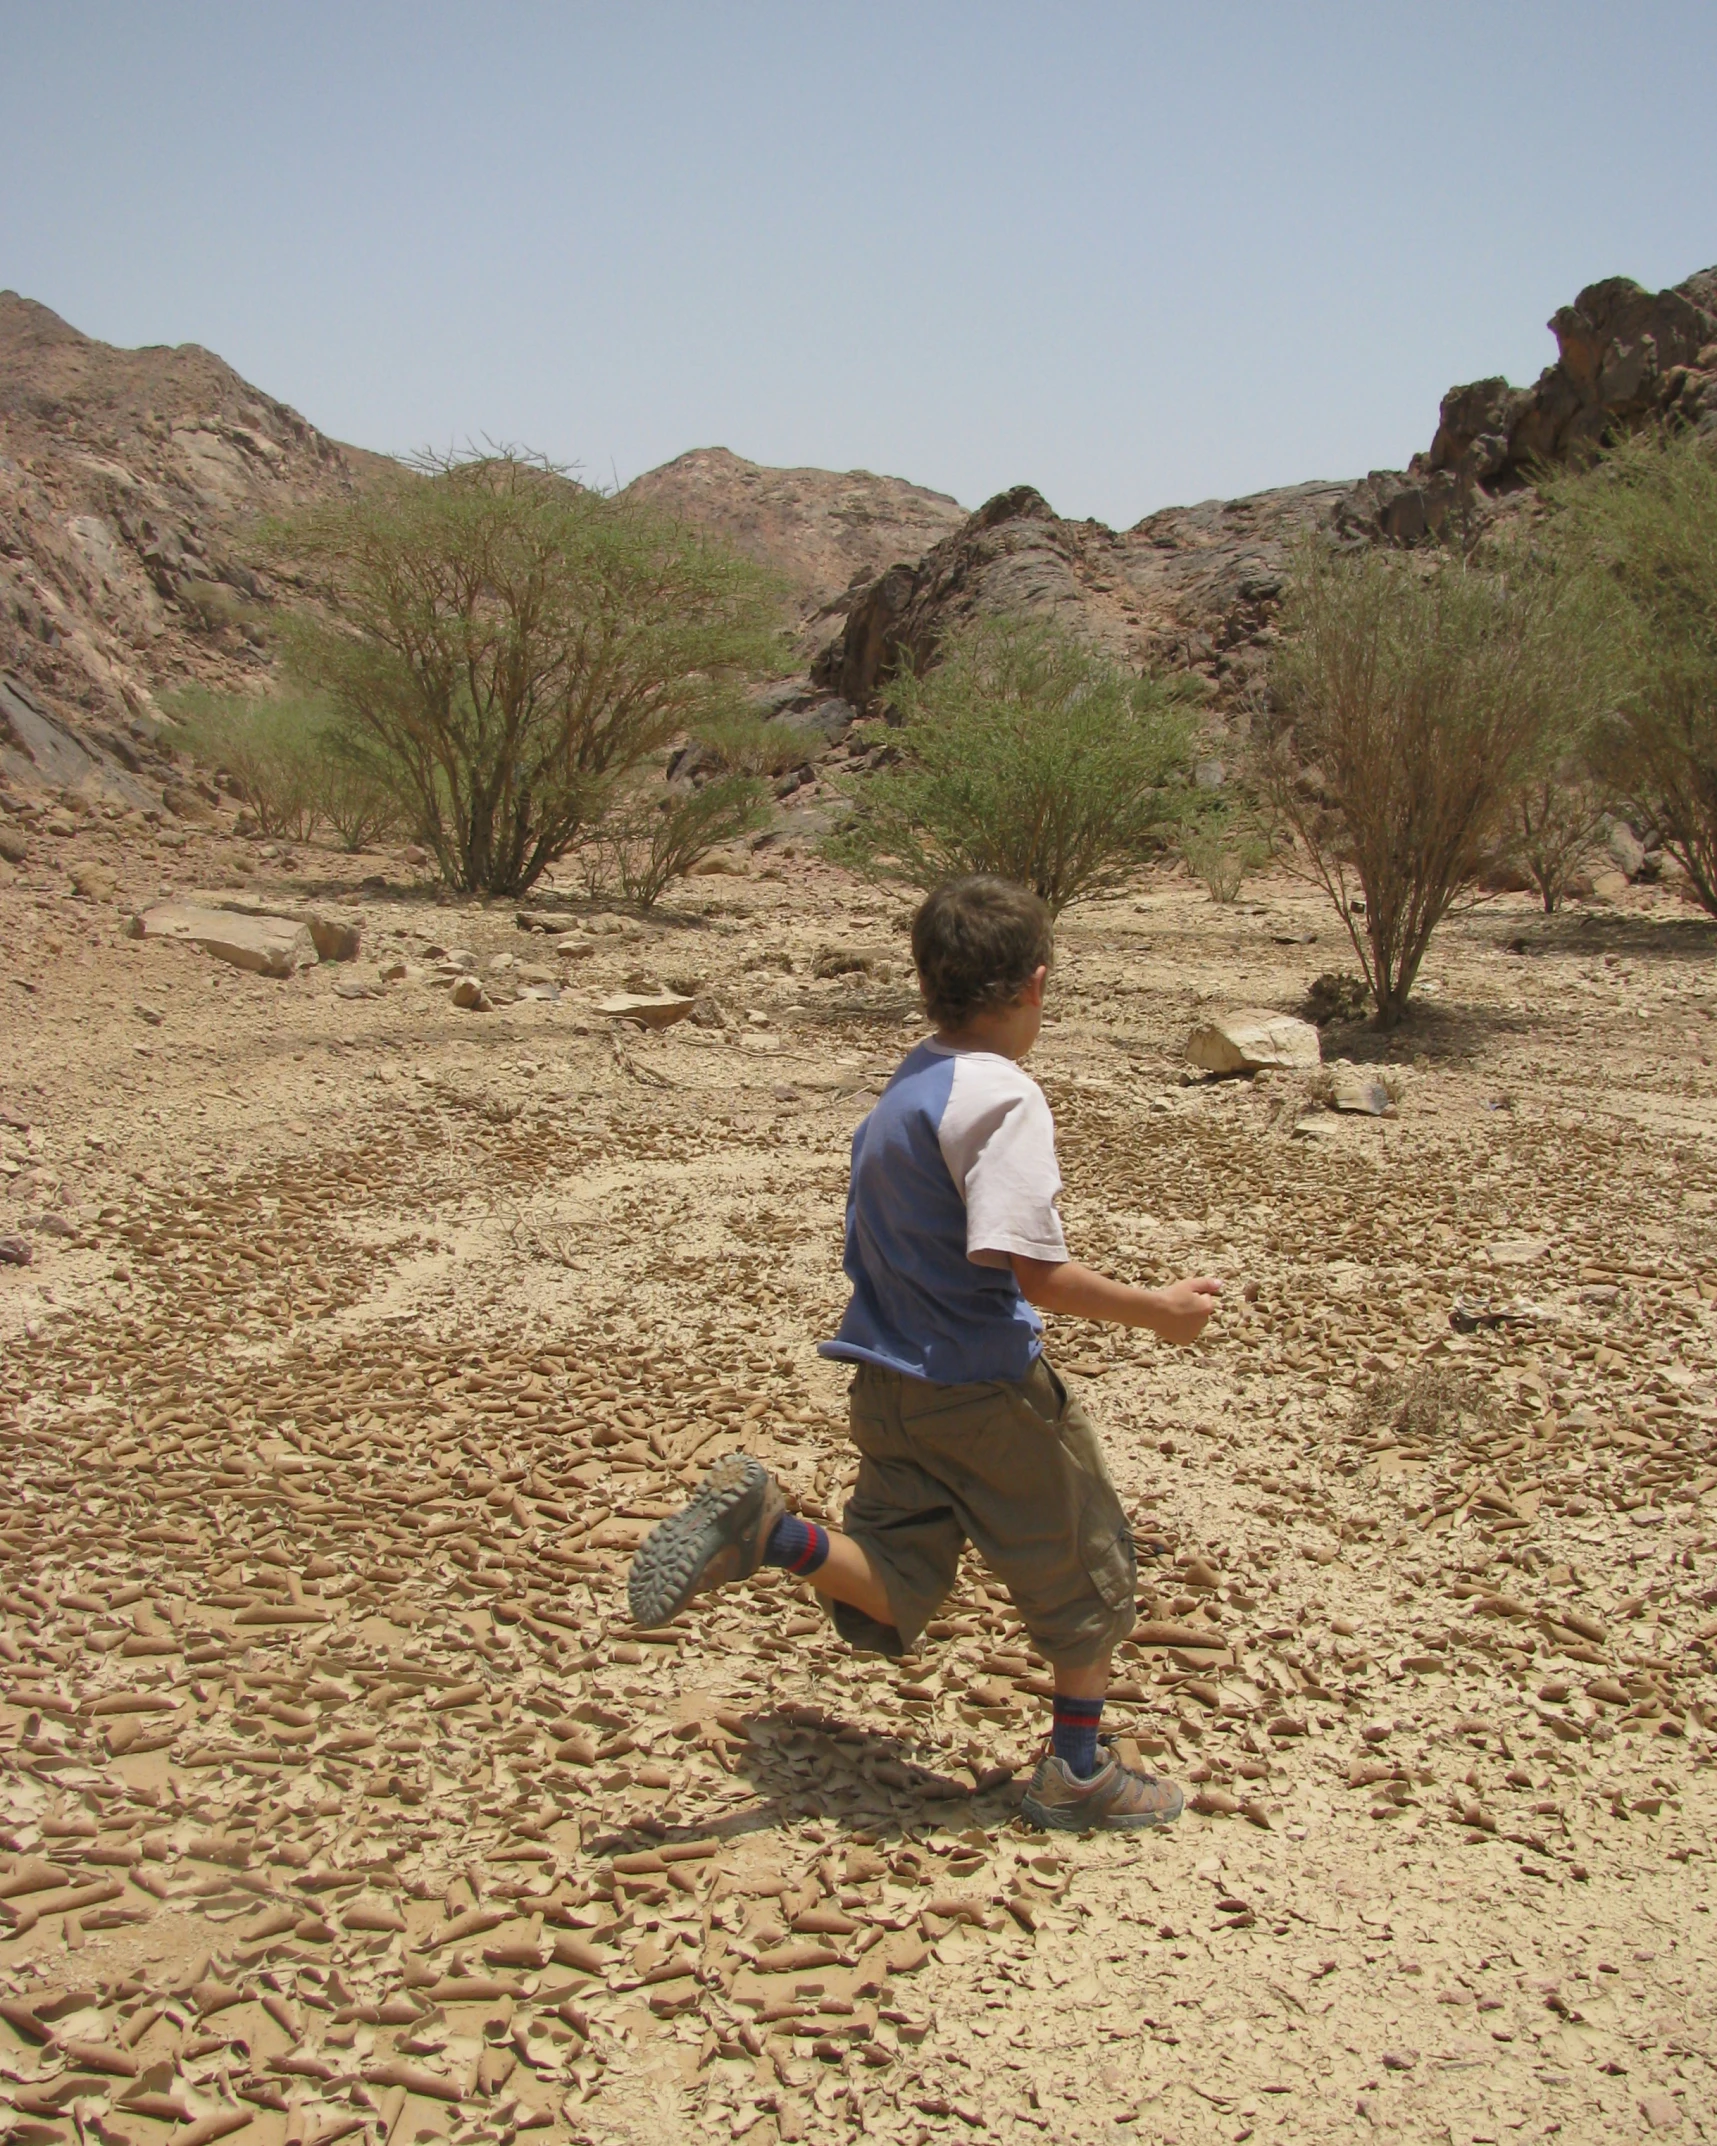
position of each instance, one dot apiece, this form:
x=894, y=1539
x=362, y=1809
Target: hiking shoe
x=1114, y=1800
x=720, y=1535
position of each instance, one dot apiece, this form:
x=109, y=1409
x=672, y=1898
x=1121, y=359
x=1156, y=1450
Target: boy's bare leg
x=847, y=1575
x=1091, y=1682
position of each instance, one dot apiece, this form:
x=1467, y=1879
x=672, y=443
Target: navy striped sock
x=796, y=1545
x=1073, y=1739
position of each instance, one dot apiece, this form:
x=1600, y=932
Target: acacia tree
x=1414, y=700
x=1639, y=531
x=1026, y=754
x=503, y=643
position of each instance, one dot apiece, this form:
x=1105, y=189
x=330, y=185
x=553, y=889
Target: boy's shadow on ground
x=804, y=1762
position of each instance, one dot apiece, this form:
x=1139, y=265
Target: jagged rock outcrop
x=1198, y=586
x=1625, y=357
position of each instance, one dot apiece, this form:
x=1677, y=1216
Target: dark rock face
x=1190, y=586
x=1626, y=357
x=1014, y=554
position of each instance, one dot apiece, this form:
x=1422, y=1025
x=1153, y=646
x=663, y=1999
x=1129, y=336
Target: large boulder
x=1626, y=849
x=265, y=945
x=1254, y=1040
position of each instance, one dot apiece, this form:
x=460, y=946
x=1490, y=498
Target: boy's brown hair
x=977, y=943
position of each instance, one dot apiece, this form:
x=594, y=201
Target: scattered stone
x=187, y=804
x=1360, y=1090
x=95, y=882
x=1626, y=850
x=16, y=1251
x=1254, y=1040
x=654, y=1010
x=469, y=995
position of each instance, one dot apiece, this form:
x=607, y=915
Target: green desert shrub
x=1553, y=827
x=358, y=800
x=1638, y=533
x=1027, y=754
x=1222, y=847
x=274, y=750
x=645, y=841
x=1415, y=700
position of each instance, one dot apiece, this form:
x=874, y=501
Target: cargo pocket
x=1106, y=1546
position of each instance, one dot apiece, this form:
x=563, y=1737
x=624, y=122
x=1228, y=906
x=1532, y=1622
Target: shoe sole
x=673, y=1557
x=1066, y=1818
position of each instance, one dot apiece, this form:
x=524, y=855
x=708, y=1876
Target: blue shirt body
x=952, y=1171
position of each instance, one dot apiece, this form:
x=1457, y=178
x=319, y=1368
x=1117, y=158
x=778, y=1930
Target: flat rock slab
x=266, y=945
x=1254, y=1040
x=336, y=935
x=658, y=1012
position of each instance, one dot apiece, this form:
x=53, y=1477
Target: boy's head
x=977, y=944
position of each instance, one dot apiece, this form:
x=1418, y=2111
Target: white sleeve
x=998, y=1140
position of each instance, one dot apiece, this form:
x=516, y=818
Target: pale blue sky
x=1130, y=254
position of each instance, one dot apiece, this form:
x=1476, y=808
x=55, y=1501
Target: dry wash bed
x=340, y=1801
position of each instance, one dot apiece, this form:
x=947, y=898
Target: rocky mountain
x=823, y=531
x=1187, y=587
x=124, y=475
x=1198, y=586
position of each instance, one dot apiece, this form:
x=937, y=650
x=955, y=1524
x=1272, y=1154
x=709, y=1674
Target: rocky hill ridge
x=824, y=531
x=125, y=476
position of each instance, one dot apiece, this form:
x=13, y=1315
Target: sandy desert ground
x=364, y=1335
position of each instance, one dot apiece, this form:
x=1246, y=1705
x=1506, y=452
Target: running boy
x=965, y=1432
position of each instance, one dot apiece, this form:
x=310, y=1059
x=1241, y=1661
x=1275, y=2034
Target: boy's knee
x=866, y=1634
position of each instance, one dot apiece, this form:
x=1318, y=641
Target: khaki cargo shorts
x=1012, y=1468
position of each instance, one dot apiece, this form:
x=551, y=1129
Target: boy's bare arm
x=1177, y=1313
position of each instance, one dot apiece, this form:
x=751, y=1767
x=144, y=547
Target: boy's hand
x=1186, y=1307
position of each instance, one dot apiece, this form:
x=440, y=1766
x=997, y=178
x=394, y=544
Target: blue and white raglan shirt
x=953, y=1170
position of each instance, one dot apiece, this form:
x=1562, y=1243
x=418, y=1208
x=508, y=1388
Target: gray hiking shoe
x=1114, y=1800
x=720, y=1535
